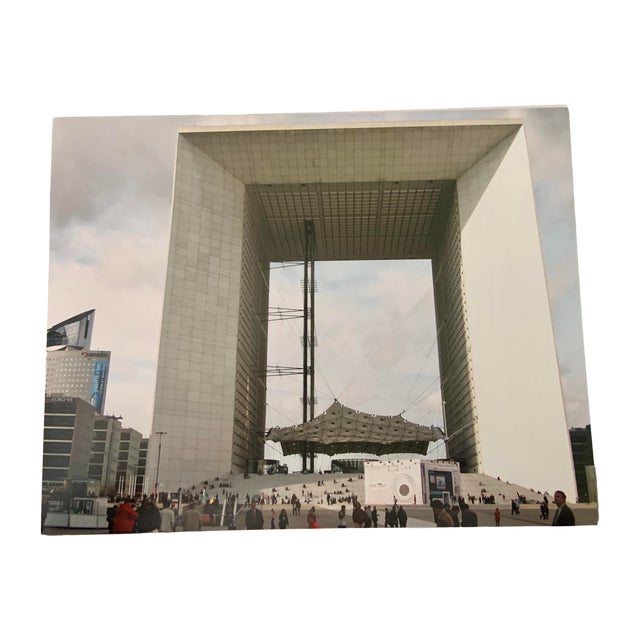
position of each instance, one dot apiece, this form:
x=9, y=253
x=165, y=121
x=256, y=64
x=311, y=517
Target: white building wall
x=195, y=386
x=386, y=481
x=521, y=423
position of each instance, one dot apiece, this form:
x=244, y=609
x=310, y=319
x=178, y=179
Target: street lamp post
x=444, y=425
x=158, y=433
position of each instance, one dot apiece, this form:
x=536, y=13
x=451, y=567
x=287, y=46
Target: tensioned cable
x=437, y=410
x=273, y=447
x=296, y=336
x=424, y=364
x=376, y=344
x=324, y=378
x=315, y=360
x=288, y=320
x=288, y=419
x=422, y=395
x=295, y=333
x=297, y=393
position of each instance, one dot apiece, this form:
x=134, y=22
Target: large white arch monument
x=456, y=192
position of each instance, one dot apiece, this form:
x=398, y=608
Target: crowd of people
x=143, y=515
x=329, y=497
x=129, y=515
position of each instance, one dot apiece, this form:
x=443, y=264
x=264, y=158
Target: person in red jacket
x=125, y=520
x=496, y=516
x=313, y=521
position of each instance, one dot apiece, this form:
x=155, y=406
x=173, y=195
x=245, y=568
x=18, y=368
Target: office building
x=79, y=373
x=128, y=457
x=582, y=450
x=456, y=192
x=143, y=485
x=104, y=453
x=68, y=429
x=73, y=332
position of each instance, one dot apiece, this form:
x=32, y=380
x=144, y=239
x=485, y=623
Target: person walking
x=312, y=519
x=374, y=517
x=111, y=516
x=125, y=518
x=342, y=518
x=191, y=518
x=402, y=517
x=496, y=516
x=564, y=516
x=359, y=517
x=283, y=519
x=273, y=519
x=254, y=519
x=469, y=518
x=393, y=517
x=149, y=519
x=311, y=515
x=167, y=518
x=440, y=514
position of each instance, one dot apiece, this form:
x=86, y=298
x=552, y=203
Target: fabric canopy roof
x=340, y=429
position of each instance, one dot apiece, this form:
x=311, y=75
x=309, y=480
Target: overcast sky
x=87, y=59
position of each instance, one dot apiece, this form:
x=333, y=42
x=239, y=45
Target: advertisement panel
x=441, y=479
x=389, y=481
x=98, y=385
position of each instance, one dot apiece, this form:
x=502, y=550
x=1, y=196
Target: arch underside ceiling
x=352, y=221
x=373, y=192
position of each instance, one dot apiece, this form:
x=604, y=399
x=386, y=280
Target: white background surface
x=65, y=59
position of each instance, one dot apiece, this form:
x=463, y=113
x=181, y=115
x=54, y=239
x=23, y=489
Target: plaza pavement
x=421, y=516
x=343, y=485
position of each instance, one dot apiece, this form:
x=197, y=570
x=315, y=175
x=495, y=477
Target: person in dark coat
x=283, y=519
x=393, y=516
x=254, y=518
x=564, y=516
x=469, y=518
x=367, y=513
x=359, y=517
x=148, y=517
x=402, y=517
x=111, y=516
